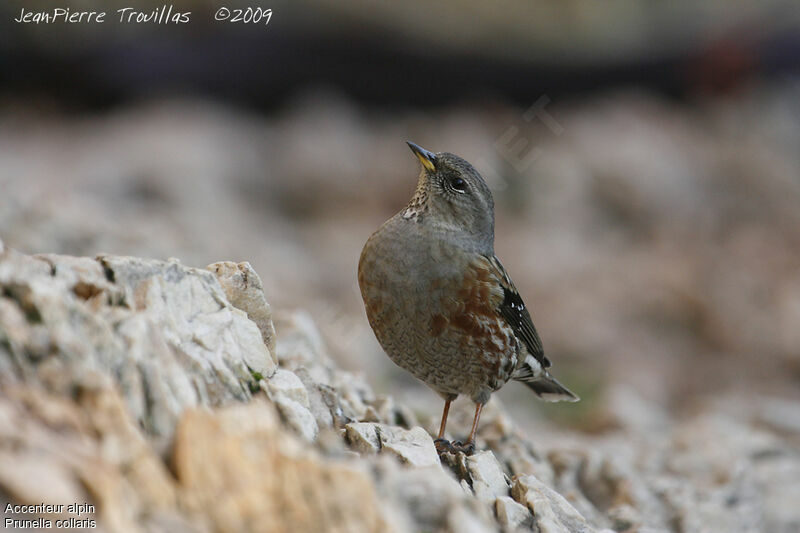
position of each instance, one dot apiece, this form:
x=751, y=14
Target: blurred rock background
x=645, y=161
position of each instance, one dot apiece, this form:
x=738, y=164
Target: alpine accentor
x=439, y=301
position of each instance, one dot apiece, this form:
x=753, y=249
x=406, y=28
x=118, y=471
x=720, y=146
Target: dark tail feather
x=550, y=390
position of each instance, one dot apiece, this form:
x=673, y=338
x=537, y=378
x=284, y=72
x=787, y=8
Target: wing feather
x=514, y=311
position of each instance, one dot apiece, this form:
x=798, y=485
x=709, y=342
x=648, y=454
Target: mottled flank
x=438, y=323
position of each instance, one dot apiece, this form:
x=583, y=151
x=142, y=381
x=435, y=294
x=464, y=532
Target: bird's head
x=453, y=196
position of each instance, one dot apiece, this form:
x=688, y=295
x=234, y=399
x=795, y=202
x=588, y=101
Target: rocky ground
x=165, y=396
x=656, y=242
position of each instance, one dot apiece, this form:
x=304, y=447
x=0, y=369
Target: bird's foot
x=466, y=449
x=443, y=446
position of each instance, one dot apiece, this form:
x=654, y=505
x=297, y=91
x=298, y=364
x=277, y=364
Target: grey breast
x=405, y=293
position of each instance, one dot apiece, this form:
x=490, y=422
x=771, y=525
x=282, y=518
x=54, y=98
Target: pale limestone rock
x=301, y=344
x=335, y=397
x=371, y=415
x=291, y=397
x=776, y=478
x=100, y=358
x=580, y=476
x=594, y=480
x=624, y=517
x=322, y=401
x=21, y=470
x=781, y=415
x=166, y=332
x=628, y=409
x=385, y=410
x=488, y=480
x=363, y=437
x=725, y=472
x=405, y=416
x=389, y=412
x=465, y=487
x=83, y=275
x=413, y=446
x=463, y=519
x=88, y=449
x=264, y=479
x=244, y=290
x=286, y=384
x=551, y=511
x=355, y=395
x=427, y=495
x=522, y=458
x=512, y=515
x=298, y=417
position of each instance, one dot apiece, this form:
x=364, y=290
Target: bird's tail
x=550, y=390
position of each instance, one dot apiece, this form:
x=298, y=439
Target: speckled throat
x=419, y=202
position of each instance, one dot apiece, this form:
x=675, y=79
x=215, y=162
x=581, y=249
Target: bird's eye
x=458, y=184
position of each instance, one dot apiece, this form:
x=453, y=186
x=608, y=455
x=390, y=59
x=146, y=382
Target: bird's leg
x=469, y=447
x=478, y=409
x=444, y=419
x=443, y=445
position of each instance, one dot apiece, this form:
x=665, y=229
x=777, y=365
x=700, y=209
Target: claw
x=443, y=446
x=466, y=449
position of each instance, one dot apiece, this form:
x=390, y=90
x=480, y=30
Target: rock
x=322, y=400
x=244, y=290
x=286, y=384
x=512, y=515
x=522, y=458
x=781, y=415
x=388, y=412
x=301, y=344
x=385, y=411
x=462, y=519
x=291, y=396
x=263, y=479
x=624, y=518
x=298, y=417
x=488, y=480
x=355, y=395
x=722, y=471
x=166, y=332
x=19, y=473
x=428, y=497
x=86, y=449
x=594, y=482
x=551, y=512
x=413, y=446
x=628, y=409
x=363, y=437
x=100, y=359
x=776, y=478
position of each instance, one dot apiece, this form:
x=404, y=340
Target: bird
x=439, y=301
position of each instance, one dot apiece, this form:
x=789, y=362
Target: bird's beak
x=428, y=159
